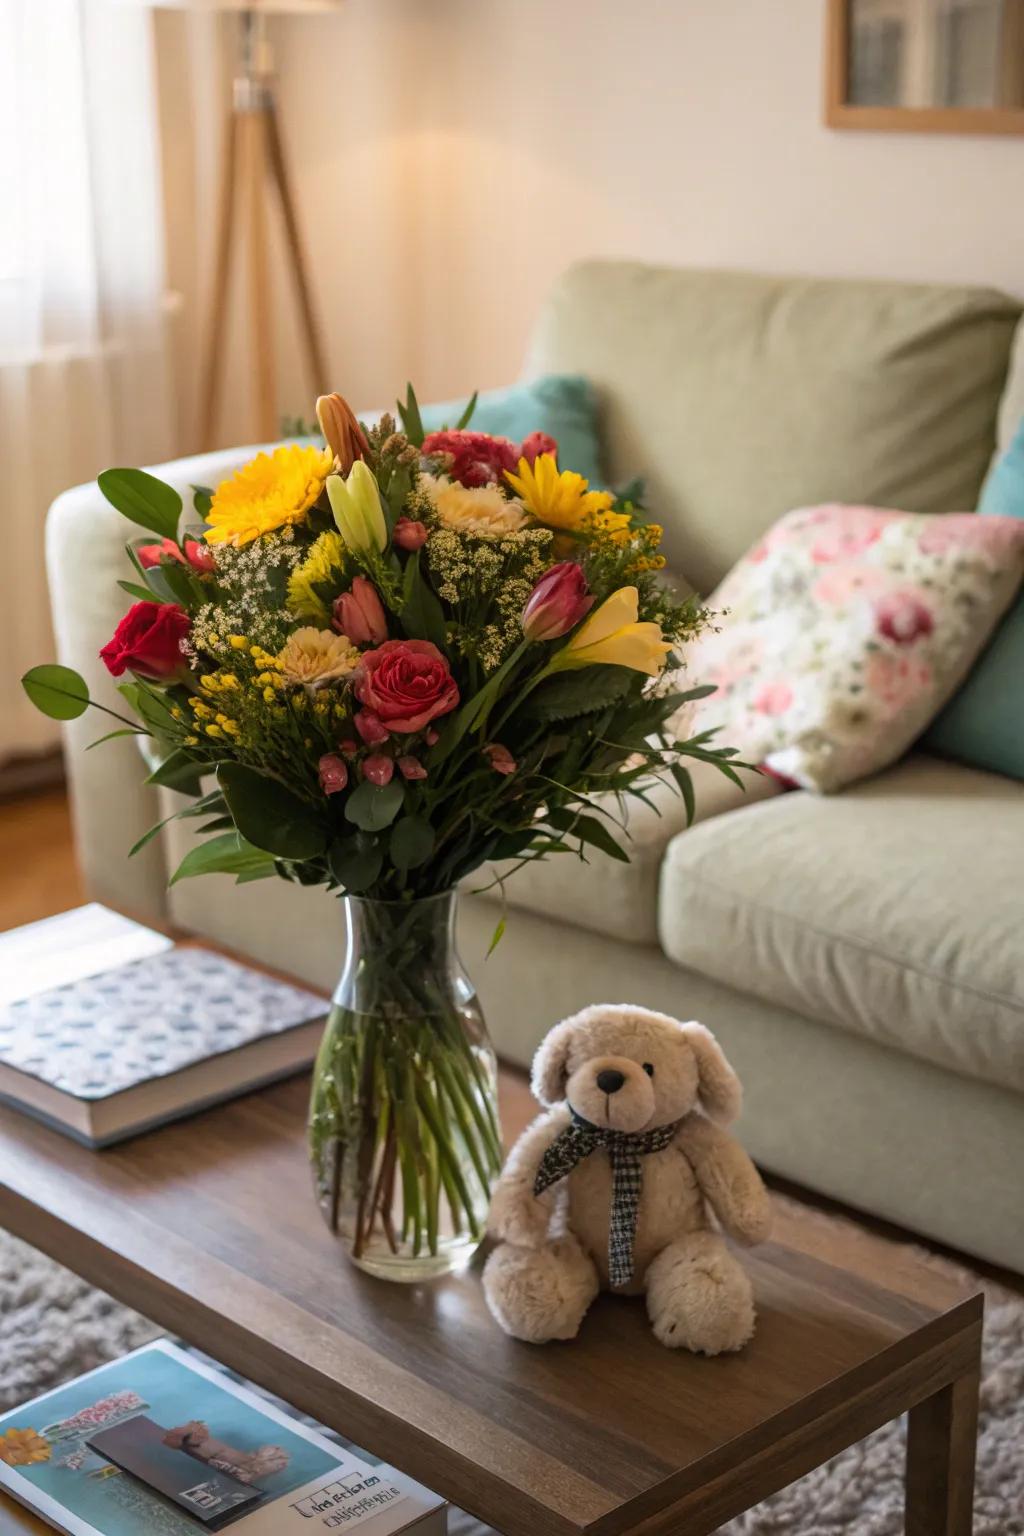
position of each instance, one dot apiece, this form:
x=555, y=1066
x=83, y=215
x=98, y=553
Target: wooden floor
x=38, y=874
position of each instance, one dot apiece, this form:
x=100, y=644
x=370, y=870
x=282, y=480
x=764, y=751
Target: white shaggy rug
x=53, y=1326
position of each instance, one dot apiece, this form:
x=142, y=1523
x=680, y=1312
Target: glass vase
x=403, y=1125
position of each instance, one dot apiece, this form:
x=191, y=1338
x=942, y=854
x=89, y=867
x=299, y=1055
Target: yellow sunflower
x=270, y=492
x=23, y=1448
x=562, y=499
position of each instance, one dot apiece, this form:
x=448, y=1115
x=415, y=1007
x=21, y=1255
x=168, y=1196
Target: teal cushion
x=562, y=405
x=984, y=723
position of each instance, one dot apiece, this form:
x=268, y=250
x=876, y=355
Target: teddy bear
x=195, y=1440
x=614, y=1186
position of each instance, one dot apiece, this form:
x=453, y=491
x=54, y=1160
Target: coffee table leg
x=942, y=1434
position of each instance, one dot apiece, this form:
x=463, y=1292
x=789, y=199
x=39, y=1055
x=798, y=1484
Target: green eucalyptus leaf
x=59, y=692
x=499, y=931
x=128, y=730
x=202, y=496
x=685, y=783
x=372, y=807
x=412, y=842
x=143, y=499
x=269, y=816
x=228, y=854
x=355, y=864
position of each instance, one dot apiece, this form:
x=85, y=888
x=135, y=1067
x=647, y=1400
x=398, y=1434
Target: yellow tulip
x=358, y=513
x=613, y=636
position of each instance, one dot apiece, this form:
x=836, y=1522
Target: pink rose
x=406, y=683
x=409, y=534
x=476, y=457
x=359, y=614
x=557, y=602
x=903, y=617
x=333, y=773
x=380, y=770
x=773, y=699
x=148, y=641
x=500, y=758
x=537, y=443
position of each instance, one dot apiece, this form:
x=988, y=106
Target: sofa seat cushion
x=610, y=897
x=891, y=910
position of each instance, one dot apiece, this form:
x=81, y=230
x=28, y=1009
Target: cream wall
x=451, y=156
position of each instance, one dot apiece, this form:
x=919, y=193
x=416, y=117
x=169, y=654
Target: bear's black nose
x=610, y=1081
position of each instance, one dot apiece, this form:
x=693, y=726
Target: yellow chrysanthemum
x=313, y=657
x=326, y=555
x=23, y=1448
x=272, y=491
x=481, y=510
x=559, y=498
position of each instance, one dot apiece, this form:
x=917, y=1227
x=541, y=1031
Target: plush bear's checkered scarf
x=625, y=1149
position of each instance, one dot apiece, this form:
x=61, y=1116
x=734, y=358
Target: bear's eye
x=648, y=1069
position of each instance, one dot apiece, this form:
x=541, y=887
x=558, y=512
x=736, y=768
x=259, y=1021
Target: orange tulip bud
x=342, y=432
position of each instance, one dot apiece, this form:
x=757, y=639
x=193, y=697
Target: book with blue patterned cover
x=111, y=1054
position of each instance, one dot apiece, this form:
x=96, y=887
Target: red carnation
x=406, y=683
x=477, y=458
x=148, y=641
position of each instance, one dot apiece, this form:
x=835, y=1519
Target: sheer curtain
x=84, y=375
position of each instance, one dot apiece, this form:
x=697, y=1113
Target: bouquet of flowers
x=376, y=664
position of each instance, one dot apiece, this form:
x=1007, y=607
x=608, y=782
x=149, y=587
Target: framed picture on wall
x=925, y=66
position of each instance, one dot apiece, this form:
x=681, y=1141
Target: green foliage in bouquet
x=380, y=664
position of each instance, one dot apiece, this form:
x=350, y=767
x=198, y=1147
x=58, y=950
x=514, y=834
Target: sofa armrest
x=111, y=804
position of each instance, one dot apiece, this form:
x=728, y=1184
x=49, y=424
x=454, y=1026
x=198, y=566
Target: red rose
x=477, y=458
x=406, y=683
x=148, y=641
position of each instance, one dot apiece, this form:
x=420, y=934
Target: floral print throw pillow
x=846, y=629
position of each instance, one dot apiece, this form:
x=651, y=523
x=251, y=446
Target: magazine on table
x=163, y=1443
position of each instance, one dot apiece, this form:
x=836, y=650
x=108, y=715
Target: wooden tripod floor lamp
x=254, y=172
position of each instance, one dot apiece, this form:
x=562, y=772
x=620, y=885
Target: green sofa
x=860, y=956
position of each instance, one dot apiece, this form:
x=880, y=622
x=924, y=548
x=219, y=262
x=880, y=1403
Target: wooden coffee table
x=210, y=1228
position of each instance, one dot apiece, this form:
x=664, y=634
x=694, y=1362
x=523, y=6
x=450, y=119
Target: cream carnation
x=312, y=658
x=482, y=511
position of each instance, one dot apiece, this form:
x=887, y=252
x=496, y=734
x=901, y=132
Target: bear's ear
x=549, y=1071
x=719, y=1088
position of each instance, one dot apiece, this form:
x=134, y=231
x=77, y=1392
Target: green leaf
x=269, y=816
x=499, y=932
x=372, y=807
x=685, y=783
x=59, y=692
x=589, y=830
x=180, y=772
x=460, y=426
x=143, y=499
x=228, y=854
x=202, y=496
x=355, y=865
x=142, y=594
x=422, y=616
x=412, y=421
x=412, y=842
x=572, y=694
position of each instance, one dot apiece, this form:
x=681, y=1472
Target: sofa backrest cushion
x=740, y=397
